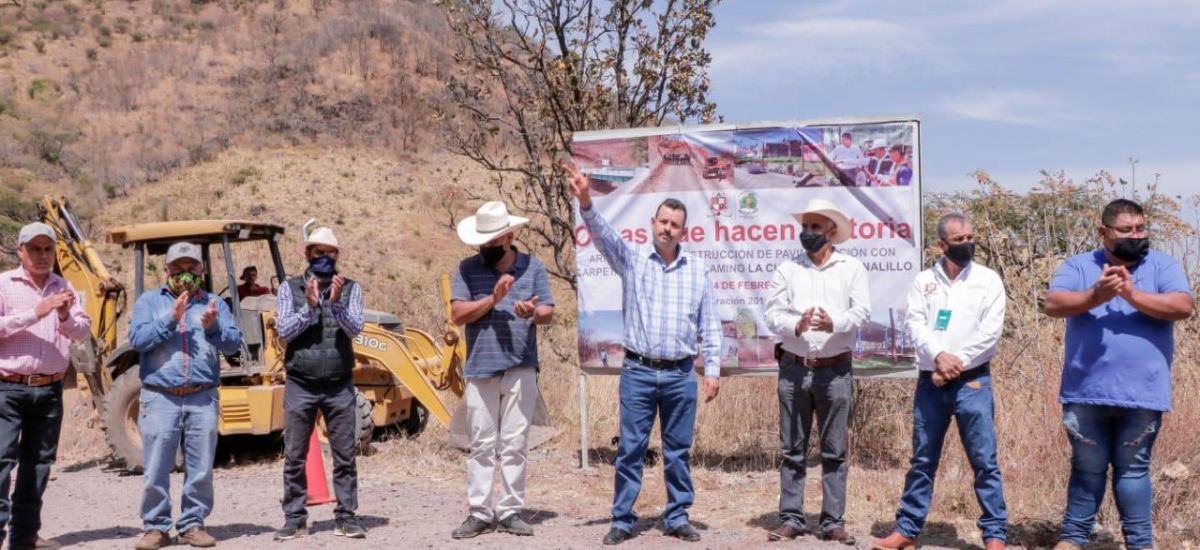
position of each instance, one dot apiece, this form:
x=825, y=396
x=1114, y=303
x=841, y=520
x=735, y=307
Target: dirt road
x=410, y=494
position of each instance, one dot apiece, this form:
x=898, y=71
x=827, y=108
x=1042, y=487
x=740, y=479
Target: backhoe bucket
x=541, y=431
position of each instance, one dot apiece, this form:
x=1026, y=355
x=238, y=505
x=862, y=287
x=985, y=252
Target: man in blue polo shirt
x=1121, y=303
x=501, y=295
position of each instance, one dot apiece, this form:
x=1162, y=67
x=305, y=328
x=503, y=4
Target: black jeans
x=300, y=406
x=30, y=421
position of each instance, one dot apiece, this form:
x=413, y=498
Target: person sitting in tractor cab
x=250, y=287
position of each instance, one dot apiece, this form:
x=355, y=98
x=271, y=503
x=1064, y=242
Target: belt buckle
x=39, y=379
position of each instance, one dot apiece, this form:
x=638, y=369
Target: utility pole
x=1133, y=169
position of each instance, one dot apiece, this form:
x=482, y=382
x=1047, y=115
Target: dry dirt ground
x=412, y=494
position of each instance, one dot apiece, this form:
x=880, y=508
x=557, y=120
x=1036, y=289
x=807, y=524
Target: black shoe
x=513, y=524
x=685, y=533
x=616, y=536
x=349, y=528
x=472, y=527
x=291, y=531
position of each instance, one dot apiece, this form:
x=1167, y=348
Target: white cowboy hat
x=320, y=235
x=827, y=209
x=492, y=220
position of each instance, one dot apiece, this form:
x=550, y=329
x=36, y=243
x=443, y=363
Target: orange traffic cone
x=314, y=471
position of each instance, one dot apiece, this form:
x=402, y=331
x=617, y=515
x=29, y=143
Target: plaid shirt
x=666, y=307
x=29, y=345
x=290, y=322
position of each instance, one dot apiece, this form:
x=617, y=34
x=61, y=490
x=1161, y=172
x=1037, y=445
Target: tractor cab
x=216, y=239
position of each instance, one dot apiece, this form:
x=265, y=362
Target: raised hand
x=1126, y=289
x=312, y=292
x=1110, y=283
x=502, y=287
x=526, y=309
x=335, y=288
x=210, y=314
x=180, y=306
x=48, y=304
x=581, y=187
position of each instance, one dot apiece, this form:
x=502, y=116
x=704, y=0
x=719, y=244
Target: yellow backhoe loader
x=400, y=376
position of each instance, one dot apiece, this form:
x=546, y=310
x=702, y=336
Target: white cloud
x=803, y=48
x=1017, y=107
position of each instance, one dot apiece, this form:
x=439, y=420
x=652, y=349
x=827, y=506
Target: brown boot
x=894, y=541
x=786, y=532
x=839, y=534
x=994, y=544
x=152, y=540
x=198, y=538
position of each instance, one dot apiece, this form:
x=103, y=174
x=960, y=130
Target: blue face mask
x=323, y=266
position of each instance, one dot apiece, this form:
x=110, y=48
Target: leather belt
x=967, y=375
x=33, y=379
x=658, y=364
x=818, y=362
x=180, y=390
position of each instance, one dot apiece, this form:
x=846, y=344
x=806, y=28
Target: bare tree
x=531, y=73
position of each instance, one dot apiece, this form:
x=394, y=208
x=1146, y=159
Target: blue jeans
x=969, y=402
x=1102, y=435
x=671, y=394
x=164, y=420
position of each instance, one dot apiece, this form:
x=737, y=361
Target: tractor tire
x=364, y=425
x=120, y=422
x=416, y=421
x=120, y=417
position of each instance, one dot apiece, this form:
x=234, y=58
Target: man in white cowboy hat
x=817, y=301
x=318, y=314
x=501, y=295
x=669, y=316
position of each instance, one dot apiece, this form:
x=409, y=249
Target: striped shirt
x=501, y=340
x=667, y=309
x=290, y=322
x=33, y=345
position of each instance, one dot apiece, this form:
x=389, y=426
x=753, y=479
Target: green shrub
x=245, y=174
x=105, y=41
x=91, y=54
x=138, y=36
x=40, y=87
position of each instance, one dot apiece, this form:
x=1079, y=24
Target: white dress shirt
x=975, y=301
x=839, y=286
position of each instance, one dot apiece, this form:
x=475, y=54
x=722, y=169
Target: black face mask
x=813, y=242
x=1131, y=250
x=961, y=254
x=492, y=254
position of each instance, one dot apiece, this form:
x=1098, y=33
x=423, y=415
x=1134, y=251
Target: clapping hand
x=526, y=309
x=210, y=314
x=335, y=288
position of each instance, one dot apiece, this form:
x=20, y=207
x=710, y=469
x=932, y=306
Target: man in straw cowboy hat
x=501, y=295
x=318, y=314
x=817, y=301
x=668, y=312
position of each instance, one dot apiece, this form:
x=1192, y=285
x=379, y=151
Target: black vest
x=323, y=354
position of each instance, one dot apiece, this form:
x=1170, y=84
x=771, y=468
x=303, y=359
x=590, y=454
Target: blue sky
x=1011, y=87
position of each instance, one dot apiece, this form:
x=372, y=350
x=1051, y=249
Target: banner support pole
x=583, y=421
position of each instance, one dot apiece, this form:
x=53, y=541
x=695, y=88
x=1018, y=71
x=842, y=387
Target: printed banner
x=741, y=186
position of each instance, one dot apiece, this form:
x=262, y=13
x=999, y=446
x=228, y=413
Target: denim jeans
x=165, y=421
x=1102, y=435
x=671, y=395
x=828, y=394
x=30, y=421
x=969, y=402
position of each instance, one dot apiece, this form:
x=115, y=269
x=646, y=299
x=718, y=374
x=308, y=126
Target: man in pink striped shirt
x=39, y=316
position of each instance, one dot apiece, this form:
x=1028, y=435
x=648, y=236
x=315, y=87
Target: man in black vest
x=318, y=314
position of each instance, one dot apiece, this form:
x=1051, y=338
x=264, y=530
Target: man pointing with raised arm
x=669, y=316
